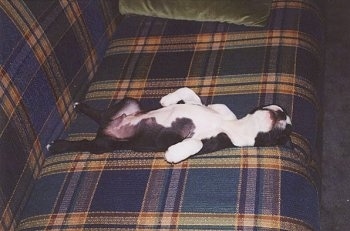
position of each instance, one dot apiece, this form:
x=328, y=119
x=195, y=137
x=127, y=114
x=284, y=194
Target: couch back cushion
x=248, y=12
x=49, y=50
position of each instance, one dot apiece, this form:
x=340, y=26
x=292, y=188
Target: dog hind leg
x=126, y=106
x=62, y=146
x=92, y=113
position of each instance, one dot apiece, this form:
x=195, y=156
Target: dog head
x=274, y=126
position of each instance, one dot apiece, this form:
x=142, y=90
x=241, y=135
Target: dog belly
x=204, y=122
x=206, y=133
x=208, y=123
x=200, y=115
x=120, y=128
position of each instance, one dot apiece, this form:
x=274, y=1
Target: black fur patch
x=274, y=137
x=221, y=141
x=151, y=136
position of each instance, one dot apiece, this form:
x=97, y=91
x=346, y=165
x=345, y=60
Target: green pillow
x=242, y=12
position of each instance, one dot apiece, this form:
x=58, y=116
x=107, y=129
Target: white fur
x=181, y=151
x=242, y=132
x=223, y=110
x=283, y=123
x=130, y=110
x=209, y=121
x=48, y=146
x=186, y=94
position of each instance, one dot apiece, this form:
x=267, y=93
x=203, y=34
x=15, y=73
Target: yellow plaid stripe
x=225, y=85
x=73, y=14
x=7, y=222
x=204, y=42
x=172, y=221
x=41, y=47
x=264, y=158
x=9, y=95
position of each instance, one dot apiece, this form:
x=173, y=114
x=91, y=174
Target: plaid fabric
x=48, y=51
x=273, y=188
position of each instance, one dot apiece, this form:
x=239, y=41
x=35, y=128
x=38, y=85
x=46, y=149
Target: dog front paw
x=183, y=150
x=174, y=157
x=169, y=99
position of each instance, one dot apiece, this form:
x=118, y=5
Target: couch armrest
x=49, y=51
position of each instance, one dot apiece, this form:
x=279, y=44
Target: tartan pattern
x=49, y=51
x=274, y=188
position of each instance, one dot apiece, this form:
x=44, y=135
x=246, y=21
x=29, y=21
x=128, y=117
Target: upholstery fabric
x=273, y=188
x=49, y=50
x=247, y=12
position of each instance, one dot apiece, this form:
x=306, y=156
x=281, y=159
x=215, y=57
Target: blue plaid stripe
x=234, y=189
x=37, y=87
x=247, y=188
x=194, y=194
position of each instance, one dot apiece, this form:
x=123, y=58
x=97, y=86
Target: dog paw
x=57, y=146
x=48, y=147
x=183, y=150
x=75, y=105
x=173, y=157
x=185, y=94
x=169, y=99
x=52, y=147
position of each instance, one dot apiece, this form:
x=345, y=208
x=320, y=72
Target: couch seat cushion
x=269, y=188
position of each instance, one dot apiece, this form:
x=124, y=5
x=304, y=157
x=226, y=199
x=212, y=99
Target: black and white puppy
x=181, y=130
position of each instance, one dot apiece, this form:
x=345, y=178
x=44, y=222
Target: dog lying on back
x=181, y=130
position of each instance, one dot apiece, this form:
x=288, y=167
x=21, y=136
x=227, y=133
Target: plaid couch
x=53, y=53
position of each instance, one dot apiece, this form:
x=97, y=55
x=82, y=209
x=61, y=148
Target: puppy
x=181, y=130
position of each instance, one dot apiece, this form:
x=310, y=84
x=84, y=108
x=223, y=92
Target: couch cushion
x=48, y=52
x=247, y=12
x=273, y=188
